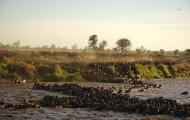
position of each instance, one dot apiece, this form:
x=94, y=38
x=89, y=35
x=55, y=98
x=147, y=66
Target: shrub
x=5, y=59
x=22, y=69
x=3, y=71
x=50, y=73
x=165, y=70
x=112, y=69
x=14, y=76
x=155, y=72
x=74, y=77
x=55, y=73
x=180, y=70
x=130, y=72
x=148, y=71
x=142, y=70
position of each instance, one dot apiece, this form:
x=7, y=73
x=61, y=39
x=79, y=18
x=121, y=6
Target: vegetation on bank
x=56, y=73
x=93, y=63
x=13, y=68
x=161, y=70
x=122, y=46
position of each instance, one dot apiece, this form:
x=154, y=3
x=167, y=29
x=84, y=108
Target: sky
x=154, y=24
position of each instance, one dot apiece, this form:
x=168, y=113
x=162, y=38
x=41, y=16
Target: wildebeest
x=20, y=81
x=184, y=93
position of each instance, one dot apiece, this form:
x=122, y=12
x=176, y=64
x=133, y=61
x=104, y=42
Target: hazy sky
x=153, y=24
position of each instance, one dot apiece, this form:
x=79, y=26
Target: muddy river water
x=19, y=93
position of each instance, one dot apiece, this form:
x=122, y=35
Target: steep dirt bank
x=121, y=72
x=17, y=68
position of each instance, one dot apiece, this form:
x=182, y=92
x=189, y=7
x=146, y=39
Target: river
x=18, y=93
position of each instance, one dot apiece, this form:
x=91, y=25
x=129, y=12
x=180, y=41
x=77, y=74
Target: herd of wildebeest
x=111, y=99
x=101, y=98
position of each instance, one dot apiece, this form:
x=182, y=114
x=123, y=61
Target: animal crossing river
x=14, y=94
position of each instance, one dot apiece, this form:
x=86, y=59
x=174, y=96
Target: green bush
x=148, y=71
x=165, y=70
x=130, y=72
x=24, y=70
x=6, y=60
x=43, y=70
x=155, y=72
x=50, y=73
x=142, y=70
x=180, y=70
x=112, y=69
x=14, y=76
x=57, y=74
x=74, y=77
x=3, y=71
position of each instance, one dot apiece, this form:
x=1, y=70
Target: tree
x=53, y=46
x=123, y=44
x=176, y=52
x=187, y=51
x=16, y=44
x=102, y=45
x=65, y=48
x=1, y=44
x=92, y=42
x=162, y=52
x=141, y=50
x=74, y=47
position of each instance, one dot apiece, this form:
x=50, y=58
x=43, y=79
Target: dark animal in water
x=184, y=93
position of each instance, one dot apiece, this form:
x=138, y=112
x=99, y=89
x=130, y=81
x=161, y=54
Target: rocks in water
x=184, y=93
x=106, y=99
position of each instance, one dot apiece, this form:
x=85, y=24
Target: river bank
x=88, y=67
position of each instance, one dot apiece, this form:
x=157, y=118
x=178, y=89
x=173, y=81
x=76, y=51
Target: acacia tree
x=74, y=47
x=162, y=52
x=102, y=45
x=176, y=52
x=187, y=51
x=123, y=44
x=141, y=50
x=92, y=42
x=16, y=44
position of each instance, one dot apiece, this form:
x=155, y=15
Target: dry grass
x=87, y=57
x=64, y=57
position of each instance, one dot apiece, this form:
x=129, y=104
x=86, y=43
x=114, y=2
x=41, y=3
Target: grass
x=89, y=57
x=60, y=67
x=165, y=70
x=112, y=68
x=148, y=71
x=56, y=73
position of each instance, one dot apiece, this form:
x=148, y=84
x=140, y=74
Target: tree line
x=123, y=45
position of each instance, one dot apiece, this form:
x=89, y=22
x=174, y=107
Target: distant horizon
x=163, y=24
x=80, y=48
